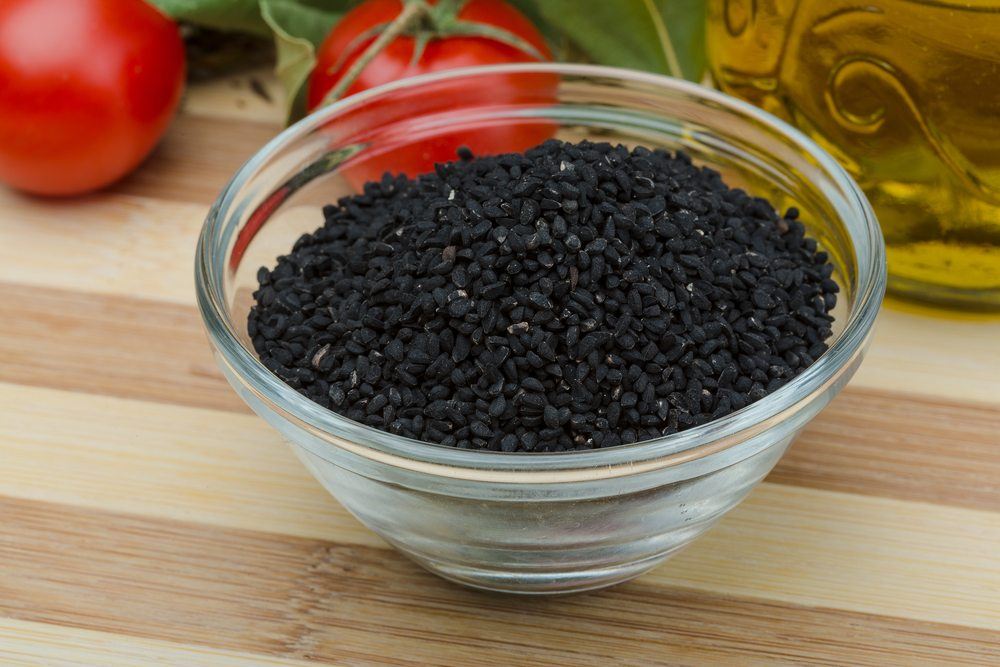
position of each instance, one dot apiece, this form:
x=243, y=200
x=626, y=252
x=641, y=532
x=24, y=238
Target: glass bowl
x=535, y=522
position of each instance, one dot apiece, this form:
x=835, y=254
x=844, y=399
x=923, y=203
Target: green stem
x=348, y=51
x=473, y=29
x=667, y=44
x=413, y=11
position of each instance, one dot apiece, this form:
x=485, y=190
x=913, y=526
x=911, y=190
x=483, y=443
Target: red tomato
x=87, y=87
x=353, y=34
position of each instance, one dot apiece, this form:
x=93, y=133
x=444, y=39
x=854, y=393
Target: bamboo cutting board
x=149, y=518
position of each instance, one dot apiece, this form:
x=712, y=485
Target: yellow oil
x=906, y=94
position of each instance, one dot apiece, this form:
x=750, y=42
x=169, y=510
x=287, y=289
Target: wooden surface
x=149, y=518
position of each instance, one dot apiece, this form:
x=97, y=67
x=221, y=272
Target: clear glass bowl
x=545, y=522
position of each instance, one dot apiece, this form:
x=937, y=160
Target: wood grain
x=234, y=98
x=104, y=244
x=859, y=553
x=165, y=461
x=790, y=544
x=117, y=346
x=937, y=356
x=196, y=158
x=27, y=644
x=900, y=446
x=307, y=599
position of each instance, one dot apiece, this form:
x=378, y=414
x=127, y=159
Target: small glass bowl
x=540, y=522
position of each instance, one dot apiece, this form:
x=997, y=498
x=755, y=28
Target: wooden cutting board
x=149, y=518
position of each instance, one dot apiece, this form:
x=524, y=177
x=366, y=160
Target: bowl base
x=550, y=581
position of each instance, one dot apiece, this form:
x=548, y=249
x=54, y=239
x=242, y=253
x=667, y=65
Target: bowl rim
x=675, y=449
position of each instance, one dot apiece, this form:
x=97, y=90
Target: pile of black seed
x=571, y=297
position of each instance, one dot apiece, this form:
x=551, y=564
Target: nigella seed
x=551, y=416
x=530, y=210
x=572, y=297
x=461, y=350
x=480, y=429
x=459, y=307
x=532, y=384
x=535, y=402
x=497, y=407
x=539, y=300
x=508, y=443
x=337, y=395
x=762, y=299
x=376, y=404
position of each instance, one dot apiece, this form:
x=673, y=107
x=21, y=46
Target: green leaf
x=664, y=36
x=532, y=11
x=234, y=15
x=309, y=19
x=298, y=29
x=685, y=20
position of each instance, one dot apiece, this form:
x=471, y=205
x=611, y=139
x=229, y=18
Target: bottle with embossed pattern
x=906, y=94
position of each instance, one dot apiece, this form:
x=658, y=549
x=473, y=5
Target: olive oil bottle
x=906, y=94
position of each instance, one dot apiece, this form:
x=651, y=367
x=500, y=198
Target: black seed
x=530, y=211
x=533, y=401
x=532, y=384
x=461, y=350
x=551, y=416
x=508, y=443
x=763, y=299
x=572, y=297
x=378, y=402
x=497, y=407
x=337, y=395
x=459, y=307
x=539, y=300
x=480, y=429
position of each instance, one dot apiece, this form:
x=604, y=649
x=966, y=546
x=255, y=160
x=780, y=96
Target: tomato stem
x=413, y=11
x=474, y=29
x=423, y=22
x=349, y=50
